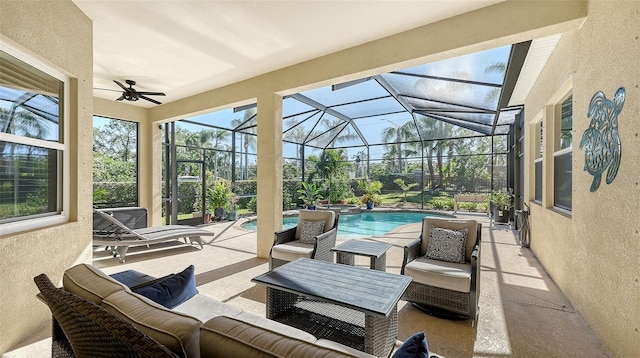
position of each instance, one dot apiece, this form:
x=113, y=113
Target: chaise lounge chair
x=118, y=237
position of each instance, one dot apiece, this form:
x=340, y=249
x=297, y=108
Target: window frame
x=62, y=146
x=558, y=150
x=538, y=134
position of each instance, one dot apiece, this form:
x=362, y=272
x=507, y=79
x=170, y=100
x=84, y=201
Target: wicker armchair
x=287, y=246
x=439, y=287
x=83, y=329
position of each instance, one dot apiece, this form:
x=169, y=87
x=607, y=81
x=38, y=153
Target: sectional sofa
x=201, y=326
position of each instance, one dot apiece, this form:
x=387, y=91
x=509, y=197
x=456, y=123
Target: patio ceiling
x=477, y=94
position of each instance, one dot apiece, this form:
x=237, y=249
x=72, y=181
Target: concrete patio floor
x=522, y=311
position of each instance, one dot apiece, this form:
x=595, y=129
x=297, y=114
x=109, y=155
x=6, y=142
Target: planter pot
x=369, y=205
x=311, y=207
x=501, y=215
x=218, y=212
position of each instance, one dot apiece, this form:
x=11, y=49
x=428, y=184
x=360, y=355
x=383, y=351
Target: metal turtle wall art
x=601, y=141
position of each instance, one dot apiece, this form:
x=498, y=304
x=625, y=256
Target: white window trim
x=563, y=151
x=63, y=197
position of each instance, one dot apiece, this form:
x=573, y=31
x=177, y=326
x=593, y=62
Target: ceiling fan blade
x=152, y=93
x=120, y=98
x=149, y=99
x=121, y=85
x=106, y=89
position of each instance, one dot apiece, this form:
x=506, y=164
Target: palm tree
x=22, y=123
x=396, y=133
x=217, y=135
x=248, y=140
x=330, y=166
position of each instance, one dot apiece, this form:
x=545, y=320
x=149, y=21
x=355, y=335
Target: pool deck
x=522, y=311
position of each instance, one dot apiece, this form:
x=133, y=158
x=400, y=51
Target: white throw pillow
x=309, y=230
x=447, y=245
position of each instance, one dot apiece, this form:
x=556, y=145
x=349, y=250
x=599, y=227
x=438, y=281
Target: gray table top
x=369, y=291
x=363, y=247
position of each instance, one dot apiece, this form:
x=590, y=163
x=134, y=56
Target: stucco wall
x=594, y=254
x=36, y=27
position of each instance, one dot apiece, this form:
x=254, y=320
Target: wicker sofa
x=199, y=327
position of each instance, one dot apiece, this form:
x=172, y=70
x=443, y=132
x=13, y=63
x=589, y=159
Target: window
x=562, y=156
x=33, y=149
x=115, y=163
x=538, y=161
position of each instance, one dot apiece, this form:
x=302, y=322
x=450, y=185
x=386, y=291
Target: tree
x=117, y=139
x=248, y=139
x=404, y=187
x=331, y=166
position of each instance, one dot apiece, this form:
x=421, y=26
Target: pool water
x=360, y=225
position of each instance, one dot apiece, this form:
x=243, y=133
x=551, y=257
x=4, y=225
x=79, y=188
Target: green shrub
x=443, y=203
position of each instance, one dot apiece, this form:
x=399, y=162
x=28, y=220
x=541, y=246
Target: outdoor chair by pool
x=84, y=329
x=444, y=263
x=313, y=237
x=118, y=237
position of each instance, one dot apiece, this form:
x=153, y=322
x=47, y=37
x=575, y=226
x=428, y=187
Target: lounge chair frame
x=117, y=237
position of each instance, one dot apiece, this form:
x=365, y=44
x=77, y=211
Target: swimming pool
x=360, y=225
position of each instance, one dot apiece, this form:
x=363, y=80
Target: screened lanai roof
x=470, y=93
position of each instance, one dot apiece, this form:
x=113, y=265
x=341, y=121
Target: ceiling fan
x=130, y=93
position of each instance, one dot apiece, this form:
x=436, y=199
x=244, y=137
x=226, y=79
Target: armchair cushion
x=291, y=251
x=447, y=275
x=316, y=215
x=447, y=245
x=309, y=230
x=452, y=224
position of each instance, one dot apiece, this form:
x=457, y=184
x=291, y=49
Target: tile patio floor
x=522, y=311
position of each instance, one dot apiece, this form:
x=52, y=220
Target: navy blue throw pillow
x=414, y=347
x=173, y=290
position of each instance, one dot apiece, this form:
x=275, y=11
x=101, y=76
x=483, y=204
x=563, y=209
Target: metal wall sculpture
x=601, y=142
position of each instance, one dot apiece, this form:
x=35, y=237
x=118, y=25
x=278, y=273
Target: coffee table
x=352, y=305
x=377, y=251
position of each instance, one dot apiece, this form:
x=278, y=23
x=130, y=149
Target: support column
x=150, y=170
x=269, y=171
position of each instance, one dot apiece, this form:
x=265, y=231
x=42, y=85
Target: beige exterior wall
x=36, y=28
x=593, y=253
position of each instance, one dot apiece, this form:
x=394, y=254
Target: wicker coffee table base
x=371, y=334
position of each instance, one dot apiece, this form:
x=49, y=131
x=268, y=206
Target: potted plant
x=309, y=194
x=220, y=195
x=501, y=205
x=371, y=191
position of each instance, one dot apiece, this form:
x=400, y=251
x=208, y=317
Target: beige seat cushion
x=291, y=251
x=204, y=308
x=453, y=224
x=342, y=348
x=178, y=332
x=447, y=275
x=229, y=337
x=90, y=283
x=327, y=216
x=275, y=326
